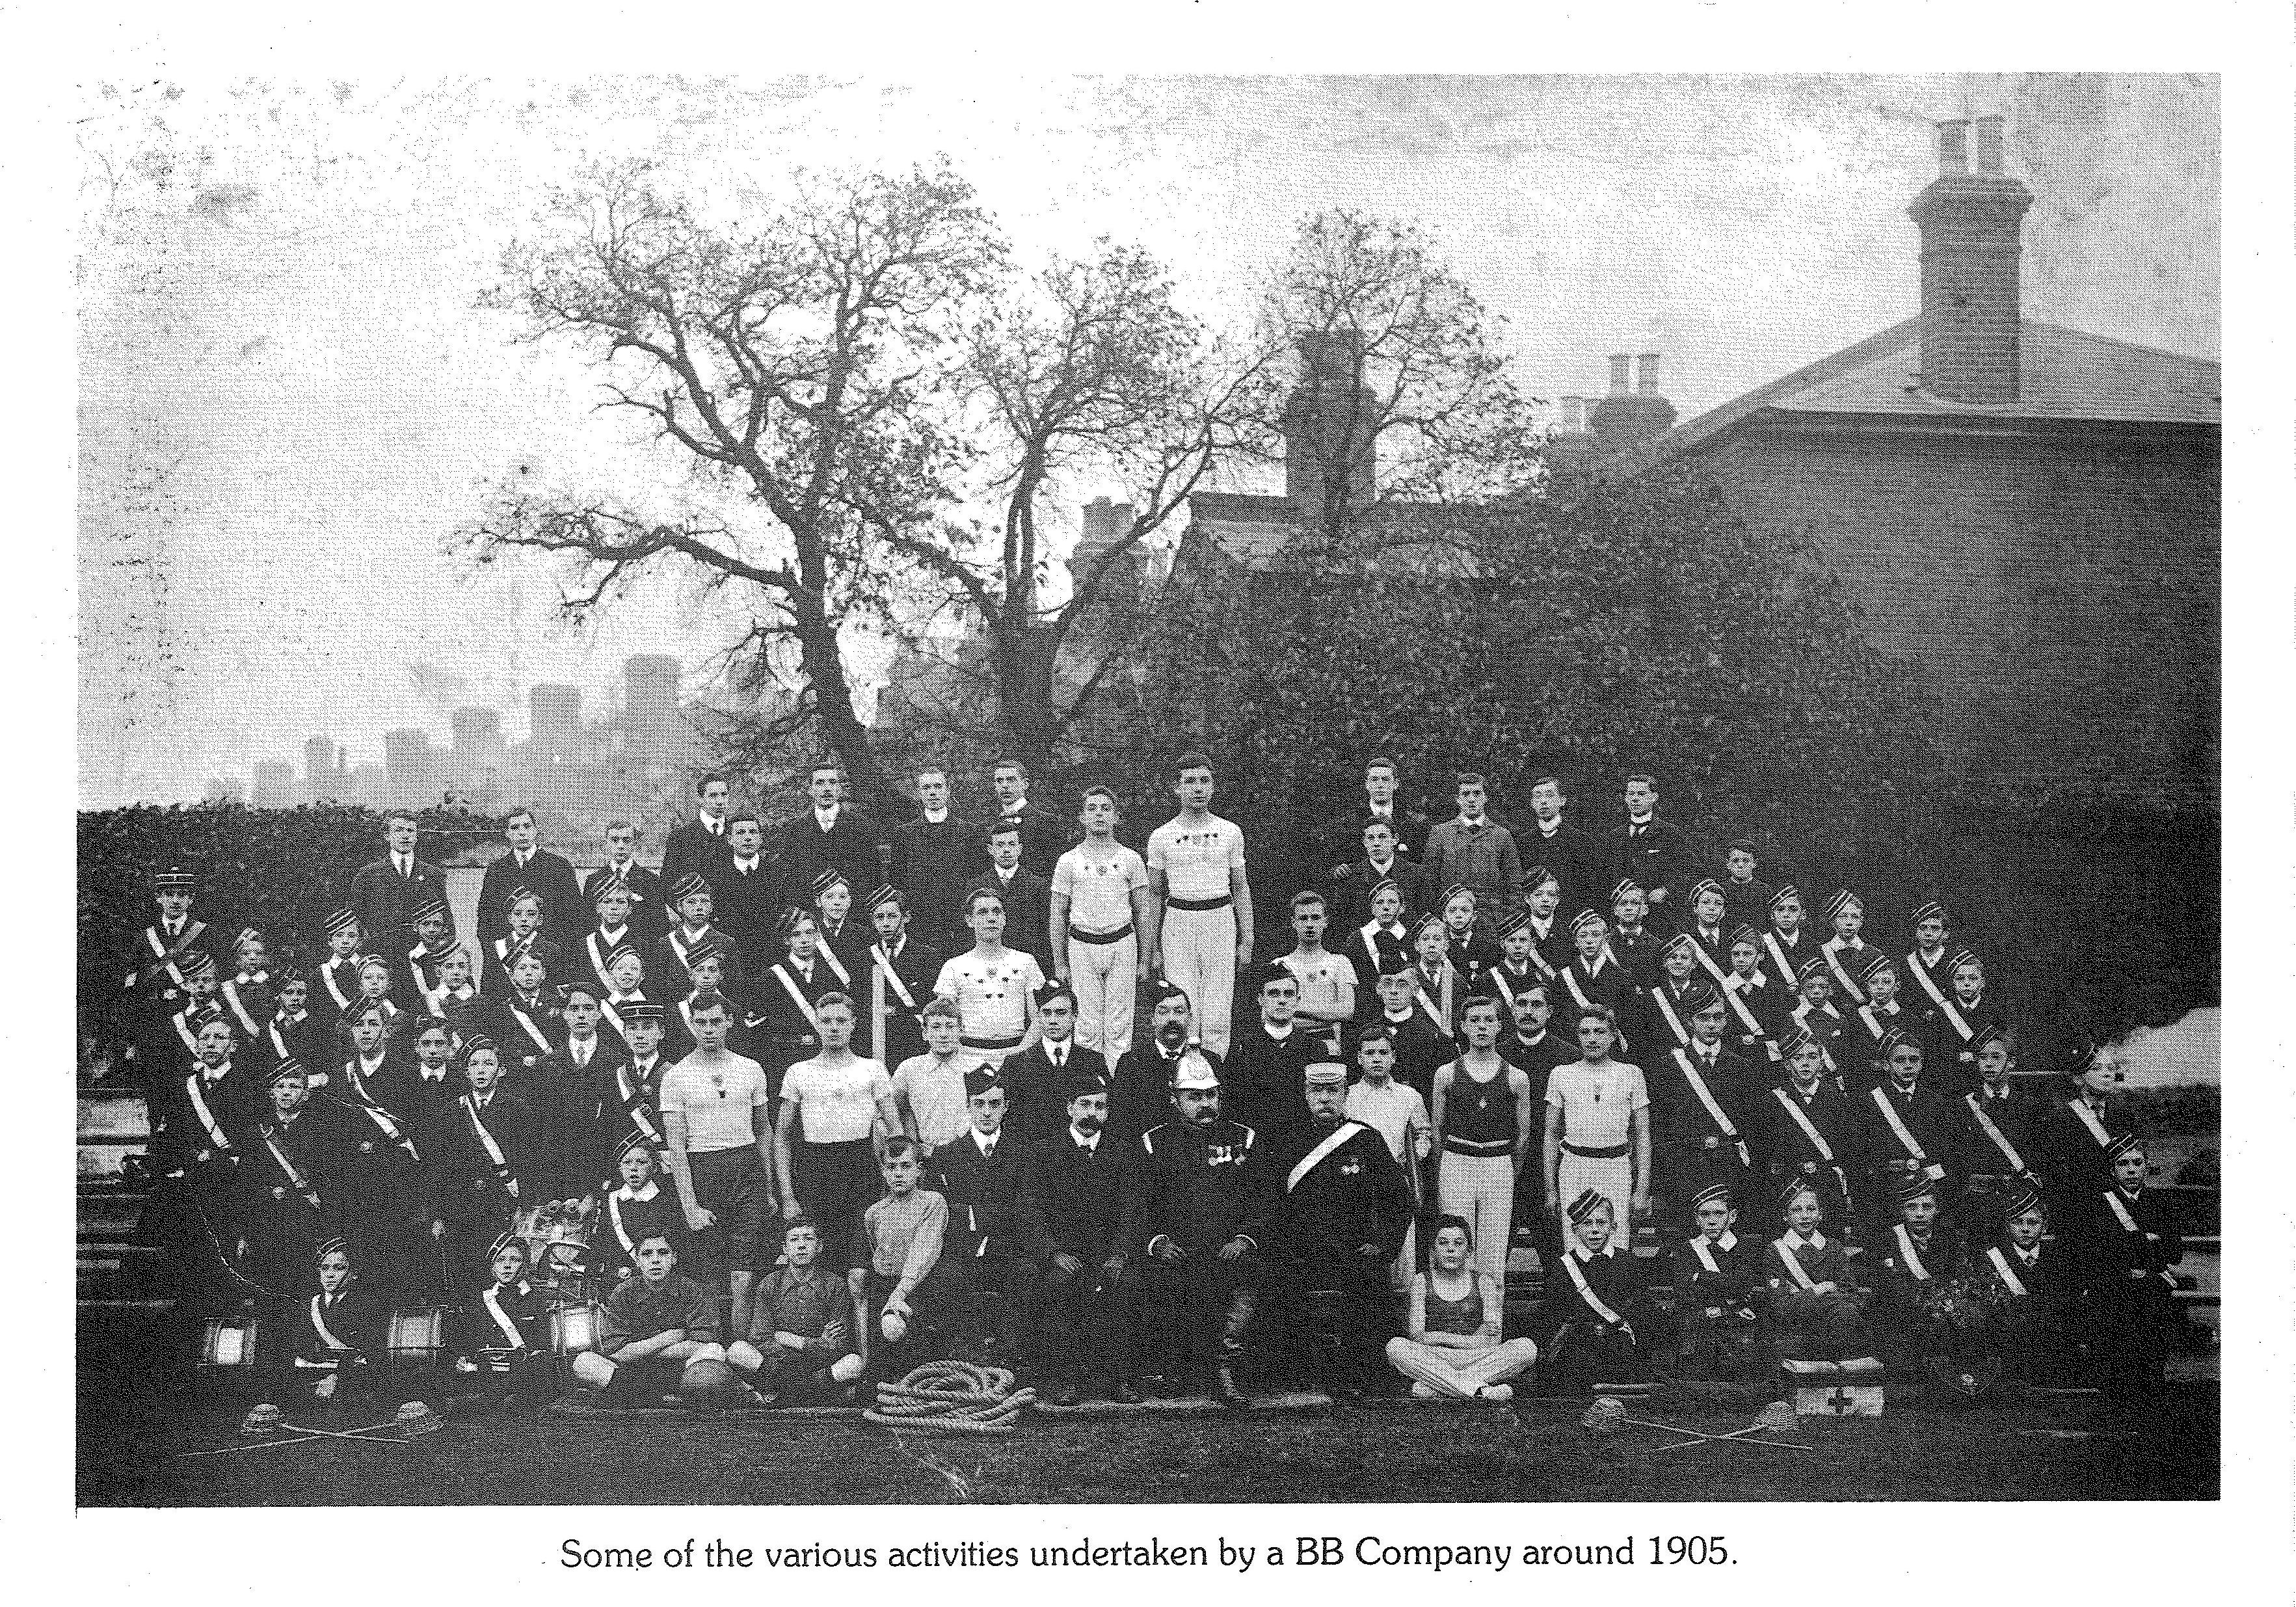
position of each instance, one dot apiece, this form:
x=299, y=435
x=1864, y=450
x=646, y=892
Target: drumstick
x=1741, y=1434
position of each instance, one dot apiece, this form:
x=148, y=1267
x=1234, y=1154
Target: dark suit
x=1085, y=1203
x=291, y=1184
x=1658, y=857
x=1262, y=1078
x=849, y=847
x=547, y=876
x=1577, y=860
x=1350, y=894
x=1689, y=1149
x=383, y=899
x=2128, y=1287
x=1028, y=911
x=989, y=1272
x=1036, y=1094
x=691, y=846
x=750, y=906
x=931, y=863
x=1784, y=1149
x=1929, y=1119
x=1044, y=838
x=1140, y=1090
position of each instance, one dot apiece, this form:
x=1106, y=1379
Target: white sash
x=1587, y=1293
x=1929, y=983
x=1571, y=981
x=302, y=1185
x=614, y=1018
x=502, y=1318
x=1720, y=973
x=1689, y=1063
x=166, y=956
x=1872, y=1022
x=598, y=956
x=892, y=977
x=1779, y=959
x=533, y=1030
x=278, y=1044
x=486, y=1141
x=1802, y=1120
x=633, y=1105
x=682, y=947
x=1905, y=1136
x=380, y=1118
x=1705, y=1254
x=319, y=1322
x=1793, y=1267
x=1959, y=1022
x=207, y=1116
x=1434, y=1014
x=246, y=1020
x=2007, y=1274
x=327, y=975
x=183, y=1031
x=1912, y=1256
x=1732, y=990
x=844, y=978
x=2000, y=1139
x=1849, y=988
x=614, y=1215
x=1314, y=1156
x=2127, y=1223
x=415, y=956
x=796, y=996
x=2087, y=1119
x=506, y=950
x=1673, y=1016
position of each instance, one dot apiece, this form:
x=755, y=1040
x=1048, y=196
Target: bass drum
x=230, y=1342
x=416, y=1338
x=574, y=1328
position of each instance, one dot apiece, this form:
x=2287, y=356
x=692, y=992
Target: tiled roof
x=2063, y=374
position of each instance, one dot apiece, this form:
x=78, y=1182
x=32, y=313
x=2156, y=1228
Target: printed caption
x=1299, y=1551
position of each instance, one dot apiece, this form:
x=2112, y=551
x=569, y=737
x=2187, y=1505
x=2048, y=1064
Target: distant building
x=323, y=776
x=225, y=790
x=272, y=786
x=412, y=775
x=554, y=726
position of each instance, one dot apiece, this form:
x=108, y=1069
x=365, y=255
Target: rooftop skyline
x=281, y=419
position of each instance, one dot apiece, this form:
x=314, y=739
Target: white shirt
x=1196, y=858
x=991, y=991
x=935, y=817
x=1098, y=884
x=1077, y=1137
x=826, y=819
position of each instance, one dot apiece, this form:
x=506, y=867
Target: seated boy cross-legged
x=660, y=1333
x=801, y=1345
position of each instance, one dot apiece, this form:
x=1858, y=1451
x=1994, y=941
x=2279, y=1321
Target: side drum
x=575, y=1329
x=417, y=1337
x=229, y=1342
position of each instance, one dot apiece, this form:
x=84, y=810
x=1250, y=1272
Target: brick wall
x=2059, y=586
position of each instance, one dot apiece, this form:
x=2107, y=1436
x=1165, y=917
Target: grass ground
x=2073, y=1448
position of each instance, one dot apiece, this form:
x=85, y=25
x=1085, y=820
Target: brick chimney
x=1634, y=412
x=1971, y=223
x=1570, y=442
x=1328, y=421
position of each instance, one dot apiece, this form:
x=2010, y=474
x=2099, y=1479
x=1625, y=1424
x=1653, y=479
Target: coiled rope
x=951, y=1397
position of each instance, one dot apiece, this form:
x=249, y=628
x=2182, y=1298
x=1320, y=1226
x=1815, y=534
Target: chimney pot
x=1953, y=147
x=1646, y=373
x=1989, y=144
x=1619, y=374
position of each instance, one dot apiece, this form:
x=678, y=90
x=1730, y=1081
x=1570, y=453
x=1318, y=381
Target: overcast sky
x=288, y=398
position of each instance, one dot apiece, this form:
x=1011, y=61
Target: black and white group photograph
x=1093, y=788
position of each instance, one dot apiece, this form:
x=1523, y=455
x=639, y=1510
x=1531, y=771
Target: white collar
x=1081, y=1140
x=933, y=819
x=653, y=1188
x=614, y=935
x=1634, y=820
x=826, y=819
x=1066, y=1046
x=1546, y=830
x=429, y=1076
x=1729, y=1240
x=745, y=864
x=985, y=1142
x=1817, y=1241
x=1283, y=1037
x=1584, y=1254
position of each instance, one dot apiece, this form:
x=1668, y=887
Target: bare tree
x=1406, y=397
x=795, y=363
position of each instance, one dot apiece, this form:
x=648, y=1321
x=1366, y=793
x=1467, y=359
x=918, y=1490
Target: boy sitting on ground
x=799, y=1347
x=658, y=1335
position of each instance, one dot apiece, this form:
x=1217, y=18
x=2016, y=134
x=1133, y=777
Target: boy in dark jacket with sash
x=1813, y=1307
x=1714, y=1276
x=1905, y=1131
x=634, y=1208
x=493, y=1161
x=291, y=1162
x=501, y=1335
x=1594, y=1299
x=901, y=967
x=2027, y=1288
x=1918, y=1286
x=1702, y=1096
x=1807, y=1131
x=338, y=1335
x=2130, y=1250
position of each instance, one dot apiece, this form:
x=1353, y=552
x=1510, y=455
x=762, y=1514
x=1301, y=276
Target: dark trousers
x=1589, y=1352
x=986, y=1300
x=1198, y=1311
x=1084, y=1322
x=1336, y=1322
x=834, y=1185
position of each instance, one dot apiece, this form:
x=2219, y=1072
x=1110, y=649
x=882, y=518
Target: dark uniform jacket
x=355, y=1317
x=1977, y=1152
x=1615, y=1277
x=291, y=1175
x=1942, y=1261
x=649, y=916
x=2126, y=1252
x=550, y=878
x=1863, y=1063
x=915, y=968
x=469, y=1183
x=527, y=1032
x=1577, y=860
x=500, y=952
x=1658, y=857
x=1952, y=1055
x=525, y=1307
x=1783, y=1147
x=849, y=847
x=1201, y=1187
x=1535, y=1060
x=385, y=1177
x=983, y=1193
x=667, y=976
x=1355, y=1194
x=1083, y=1202
x=1927, y=1118
x=748, y=906
x=182, y=1137
x=1140, y=1094
x=1770, y=1003
x=1729, y=1285
x=2072, y=1156
x=1689, y=1141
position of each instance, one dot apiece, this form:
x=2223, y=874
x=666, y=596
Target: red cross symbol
x=1840, y=1403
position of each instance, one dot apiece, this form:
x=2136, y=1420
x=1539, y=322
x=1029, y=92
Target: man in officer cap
x=1206, y=1191
x=1341, y=1217
x=152, y=987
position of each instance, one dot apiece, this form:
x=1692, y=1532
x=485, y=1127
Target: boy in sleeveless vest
x=1450, y=1347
